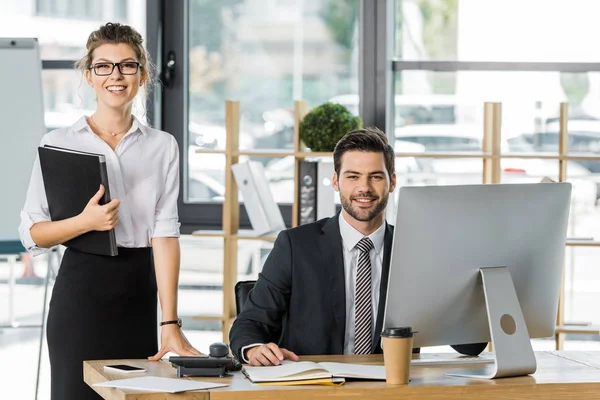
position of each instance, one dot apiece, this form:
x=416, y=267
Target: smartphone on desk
x=123, y=369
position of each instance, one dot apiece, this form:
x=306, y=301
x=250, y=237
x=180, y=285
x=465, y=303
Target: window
x=121, y=9
x=265, y=57
x=468, y=55
x=493, y=30
x=87, y=9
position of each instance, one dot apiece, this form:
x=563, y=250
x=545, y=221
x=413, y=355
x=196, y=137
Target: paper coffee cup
x=397, y=346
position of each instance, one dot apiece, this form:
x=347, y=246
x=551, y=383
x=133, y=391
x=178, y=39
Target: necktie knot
x=365, y=245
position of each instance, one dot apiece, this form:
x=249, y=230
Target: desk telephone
x=216, y=363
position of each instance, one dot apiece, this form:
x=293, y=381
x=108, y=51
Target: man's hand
x=268, y=354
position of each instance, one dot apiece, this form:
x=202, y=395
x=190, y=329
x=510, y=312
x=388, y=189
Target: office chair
x=242, y=289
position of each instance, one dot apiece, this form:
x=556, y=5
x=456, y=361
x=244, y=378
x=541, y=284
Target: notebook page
x=288, y=370
x=358, y=371
x=159, y=384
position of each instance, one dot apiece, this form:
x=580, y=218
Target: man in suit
x=322, y=289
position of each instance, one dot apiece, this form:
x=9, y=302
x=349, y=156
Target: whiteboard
x=21, y=126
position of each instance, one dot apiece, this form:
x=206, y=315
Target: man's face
x=364, y=184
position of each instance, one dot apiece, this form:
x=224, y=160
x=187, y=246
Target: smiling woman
x=105, y=307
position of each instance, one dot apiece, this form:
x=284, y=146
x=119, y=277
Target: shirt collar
x=351, y=237
x=81, y=124
x=138, y=125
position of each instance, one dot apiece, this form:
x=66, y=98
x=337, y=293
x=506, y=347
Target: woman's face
x=119, y=88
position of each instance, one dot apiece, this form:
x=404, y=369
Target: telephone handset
x=216, y=363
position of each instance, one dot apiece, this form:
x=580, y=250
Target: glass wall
x=443, y=111
x=492, y=30
x=266, y=54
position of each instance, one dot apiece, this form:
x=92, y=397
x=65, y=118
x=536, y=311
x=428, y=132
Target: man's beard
x=363, y=215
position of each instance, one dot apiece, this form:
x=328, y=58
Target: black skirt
x=101, y=308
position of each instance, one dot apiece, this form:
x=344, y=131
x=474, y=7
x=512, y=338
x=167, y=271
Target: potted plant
x=325, y=125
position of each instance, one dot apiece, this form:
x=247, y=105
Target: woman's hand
x=96, y=217
x=173, y=339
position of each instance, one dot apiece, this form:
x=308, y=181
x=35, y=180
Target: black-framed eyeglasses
x=107, y=68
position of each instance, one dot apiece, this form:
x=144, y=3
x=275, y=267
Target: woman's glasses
x=107, y=68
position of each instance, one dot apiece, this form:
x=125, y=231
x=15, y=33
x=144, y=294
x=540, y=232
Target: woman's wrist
x=171, y=322
x=82, y=223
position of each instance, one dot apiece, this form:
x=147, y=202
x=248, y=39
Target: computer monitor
x=461, y=253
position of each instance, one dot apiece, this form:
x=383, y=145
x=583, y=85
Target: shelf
x=583, y=243
x=241, y=235
x=249, y=236
x=269, y=153
x=546, y=156
x=579, y=329
x=440, y=154
x=283, y=153
x=210, y=151
x=304, y=154
x=209, y=317
x=575, y=157
x=218, y=234
x=264, y=153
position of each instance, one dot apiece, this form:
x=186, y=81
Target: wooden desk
x=560, y=375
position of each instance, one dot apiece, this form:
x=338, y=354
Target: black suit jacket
x=299, y=300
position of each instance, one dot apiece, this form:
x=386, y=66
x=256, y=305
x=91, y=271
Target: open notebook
x=290, y=371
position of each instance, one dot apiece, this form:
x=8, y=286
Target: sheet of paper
x=158, y=384
x=371, y=372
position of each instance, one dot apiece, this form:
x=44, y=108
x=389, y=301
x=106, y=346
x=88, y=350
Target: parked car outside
x=583, y=139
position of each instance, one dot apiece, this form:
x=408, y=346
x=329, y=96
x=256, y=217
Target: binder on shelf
x=71, y=179
x=261, y=207
x=307, y=203
x=325, y=192
x=316, y=195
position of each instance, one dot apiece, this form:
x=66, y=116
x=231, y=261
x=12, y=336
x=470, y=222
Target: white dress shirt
x=350, y=238
x=143, y=173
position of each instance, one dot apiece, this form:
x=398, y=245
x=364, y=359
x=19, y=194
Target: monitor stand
x=510, y=340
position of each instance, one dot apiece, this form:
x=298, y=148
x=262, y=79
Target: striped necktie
x=363, y=313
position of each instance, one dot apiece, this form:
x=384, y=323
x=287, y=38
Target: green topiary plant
x=324, y=125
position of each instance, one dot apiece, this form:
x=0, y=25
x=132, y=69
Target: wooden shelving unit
x=231, y=233
x=491, y=157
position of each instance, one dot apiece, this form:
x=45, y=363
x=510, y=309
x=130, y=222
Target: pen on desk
x=580, y=238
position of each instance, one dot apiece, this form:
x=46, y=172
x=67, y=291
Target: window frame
x=173, y=112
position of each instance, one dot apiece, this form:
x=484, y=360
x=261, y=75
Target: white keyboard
x=450, y=359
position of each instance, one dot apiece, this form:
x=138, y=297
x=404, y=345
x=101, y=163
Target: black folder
x=71, y=178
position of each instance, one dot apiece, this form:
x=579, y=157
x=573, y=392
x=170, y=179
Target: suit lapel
x=385, y=273
x=330, y=244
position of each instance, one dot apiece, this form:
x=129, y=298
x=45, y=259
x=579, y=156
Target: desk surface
x=560, y=375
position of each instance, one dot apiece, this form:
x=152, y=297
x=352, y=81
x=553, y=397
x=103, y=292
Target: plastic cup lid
x=399, y=332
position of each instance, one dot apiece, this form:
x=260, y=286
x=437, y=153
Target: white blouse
x=143, y=173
